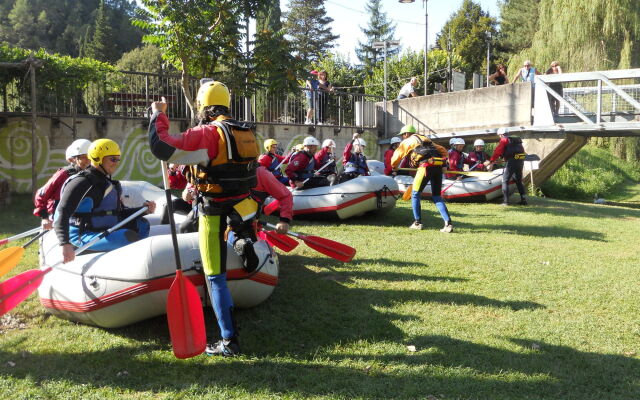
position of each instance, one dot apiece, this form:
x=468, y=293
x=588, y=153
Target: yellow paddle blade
x=9, y=258
x=406, y=196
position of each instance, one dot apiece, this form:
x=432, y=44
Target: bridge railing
x=589, y=97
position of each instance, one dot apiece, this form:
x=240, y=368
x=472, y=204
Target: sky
x=350, y=15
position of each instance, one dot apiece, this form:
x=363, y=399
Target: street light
x=385, y=45
x=426, y=41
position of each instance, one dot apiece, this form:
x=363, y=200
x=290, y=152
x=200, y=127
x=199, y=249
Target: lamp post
x=385, y=45
x=426, y=41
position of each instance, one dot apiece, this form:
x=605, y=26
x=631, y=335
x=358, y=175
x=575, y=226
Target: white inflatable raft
x=345, y=200
x=485, y=187
x=130, y=284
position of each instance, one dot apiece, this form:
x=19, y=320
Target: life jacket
x=99, y=210
x=357, y=164
x=233, y=171
x=424, y=153
x=514, y=149
x=460, y=163
x=331, y=169
x=308, y=171
x=273, y=167
x=480, y=156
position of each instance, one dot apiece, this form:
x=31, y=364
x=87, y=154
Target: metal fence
x=129, y=94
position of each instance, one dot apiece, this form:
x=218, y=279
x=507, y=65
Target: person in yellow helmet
x=91, y=203
x=272, y=161
x=224, y=193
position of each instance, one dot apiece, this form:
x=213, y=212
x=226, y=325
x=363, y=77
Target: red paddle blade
x=271, y=207
x=333, y=249
x=9, y=258
x=283, y=242
x=13, y=291
x=185, y=318
x=3, y=242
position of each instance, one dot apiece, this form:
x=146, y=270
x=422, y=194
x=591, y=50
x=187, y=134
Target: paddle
x=13, y=291
x=30, y=232
x=406, y=196
x=283, y=242
x=333, y=249
x=10, y=256
x=184, y=307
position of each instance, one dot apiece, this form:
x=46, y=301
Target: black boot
x=244, y=248
x=224, y=348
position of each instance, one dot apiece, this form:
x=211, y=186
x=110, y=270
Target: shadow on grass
x=539, y=231
x=573, y=209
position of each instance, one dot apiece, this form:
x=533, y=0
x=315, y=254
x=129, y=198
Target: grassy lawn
x=518, y=303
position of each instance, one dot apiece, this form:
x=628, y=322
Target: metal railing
x=128, y=95
x=589, y=97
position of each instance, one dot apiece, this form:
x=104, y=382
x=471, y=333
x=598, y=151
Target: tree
x=23, y=20
x=146, y=58
x=379, y=29
x=518, y=24
x=467, y=33
x=588, y=35
x=200, y=38
x=101, y=46
x=308, y=26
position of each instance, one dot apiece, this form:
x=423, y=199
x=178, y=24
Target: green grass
x=595, y=171
x=535, y=302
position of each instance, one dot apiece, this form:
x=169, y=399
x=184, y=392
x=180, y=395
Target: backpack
x=514, y=149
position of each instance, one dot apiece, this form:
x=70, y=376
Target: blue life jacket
x=96, y=214
x=273, y=167
x=309, y=169
x=357, y=163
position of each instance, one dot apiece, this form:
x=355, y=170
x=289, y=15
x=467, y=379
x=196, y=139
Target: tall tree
x=101, y=47
x=308, y=26
x=23, y=21
x=588, y=35
x=378, y=30
x=518, y=24
x=467, y=33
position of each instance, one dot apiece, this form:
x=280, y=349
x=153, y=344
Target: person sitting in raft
x=355, y=163
x=91, y=203
x=47, y=197
x=477, y=157
x=272, y=160
x=456, y=158
x=177, y=181
x=394, y=142
x=301, y=168
x=325, y=156
x=430, y=159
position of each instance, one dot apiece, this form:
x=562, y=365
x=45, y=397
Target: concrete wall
x=554, y=150
x=54, y=135
x=484, y=108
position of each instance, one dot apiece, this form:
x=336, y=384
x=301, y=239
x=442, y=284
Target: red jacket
x=177, y=180
x=500, y=148
x=456, y=162
x=265, y=160
x=387, y=161
x=48, y=196
x=268, y=183
x=477, y=159
x=297, y=164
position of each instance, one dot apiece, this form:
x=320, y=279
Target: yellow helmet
x=268, y=143
x=102, y=148
x=213, y=93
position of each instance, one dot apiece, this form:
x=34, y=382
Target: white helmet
x=502, y=131
x=328, y=143
x=452, y=141
x=456, y=141
x=310, y=141
x=478, y=142
x=360, y=141
x=395, y=139
x=77, y=148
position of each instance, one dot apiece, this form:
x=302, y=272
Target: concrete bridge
x=603, y=103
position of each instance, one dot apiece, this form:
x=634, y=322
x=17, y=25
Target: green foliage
x=518, y=25
x=378, y=29
x=591, y=172
x=408, y=64
x=101, y=46
x=466, y=34
x=146, y=58
x=308, y=26
x=61, y=26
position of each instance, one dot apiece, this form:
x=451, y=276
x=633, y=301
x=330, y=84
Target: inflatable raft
x=130, y=284
x=353, y=198
x=483, y=187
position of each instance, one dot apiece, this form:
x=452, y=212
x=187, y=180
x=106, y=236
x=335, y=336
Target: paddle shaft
x=331, y=248
x=172, y=222
x=33, y=239
x=316, y=173
x=20, y=235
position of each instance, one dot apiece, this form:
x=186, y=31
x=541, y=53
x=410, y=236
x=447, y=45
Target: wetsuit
x=511, y=149
x=90, y=204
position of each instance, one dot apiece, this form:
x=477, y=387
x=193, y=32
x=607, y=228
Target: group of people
x=410, y=151
x=310, y=164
